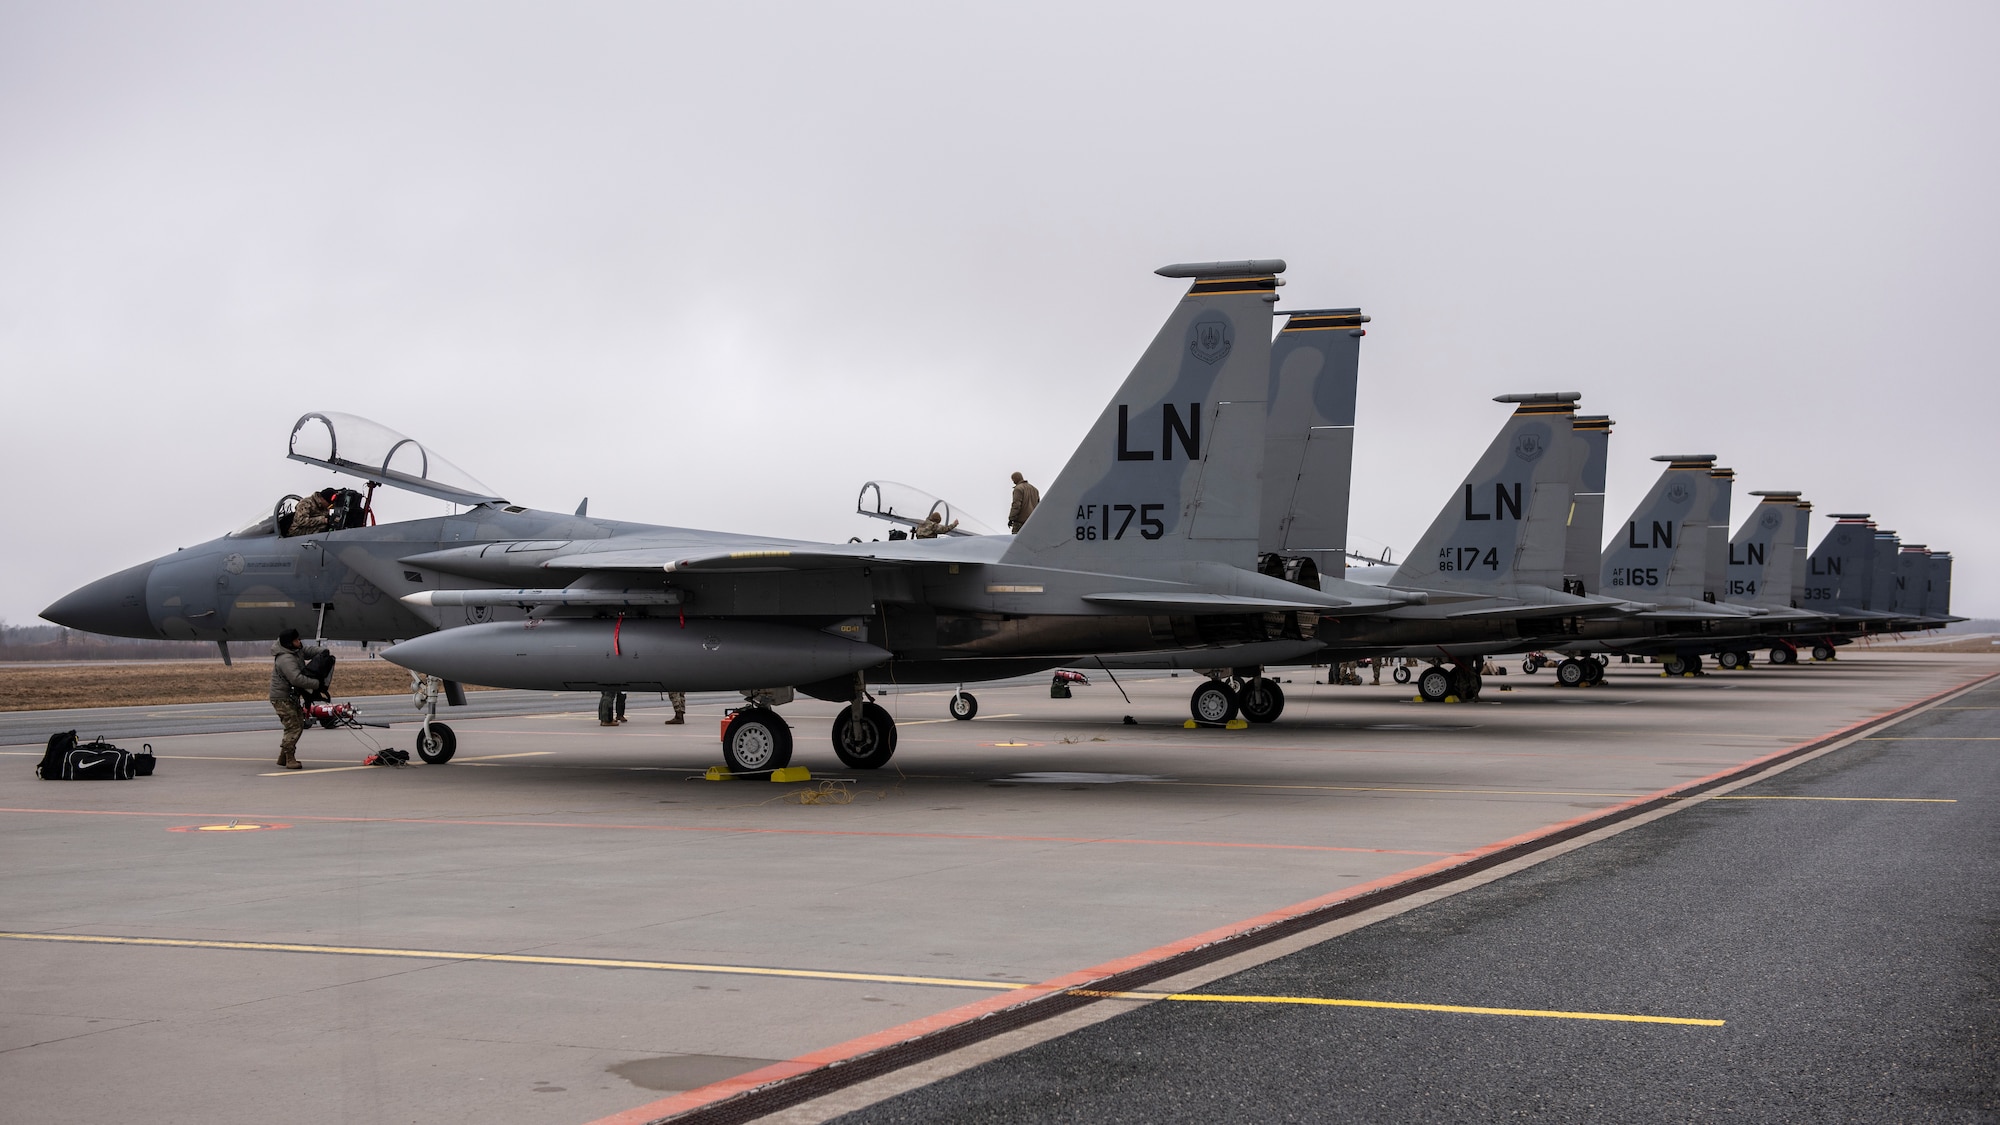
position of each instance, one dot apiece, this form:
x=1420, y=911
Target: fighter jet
x=1146, y=541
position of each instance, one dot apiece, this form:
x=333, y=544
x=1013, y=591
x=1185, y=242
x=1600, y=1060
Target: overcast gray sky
x=717, y=265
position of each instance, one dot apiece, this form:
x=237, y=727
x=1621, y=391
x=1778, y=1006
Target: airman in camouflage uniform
x=288, y=682
x=1026, y=498
x=932, y=527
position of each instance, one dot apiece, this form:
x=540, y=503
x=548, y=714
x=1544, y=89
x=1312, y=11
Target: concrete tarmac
x=1833, y=930
x=246, y=941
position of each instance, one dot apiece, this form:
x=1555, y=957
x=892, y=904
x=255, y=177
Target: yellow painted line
x=517, y=959
x=1394, y=789
x=1889, y=799
x=1615, y=1017
x=1521, y=792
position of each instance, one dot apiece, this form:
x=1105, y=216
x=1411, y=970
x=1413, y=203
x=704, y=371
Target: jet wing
x=774, y=557
x=1197, y=602
x=1585, y=609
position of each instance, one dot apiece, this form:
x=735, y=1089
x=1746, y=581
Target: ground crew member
x=309, y=517
x=610, y=708
x=288, y=683
x=680, y=701
x=1026, y=497
x=932, y=528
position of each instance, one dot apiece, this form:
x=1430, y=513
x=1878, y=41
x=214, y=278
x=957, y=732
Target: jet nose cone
x=114, y=605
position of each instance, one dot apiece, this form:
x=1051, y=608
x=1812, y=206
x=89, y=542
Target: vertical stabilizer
x=1715, y=565
x=1764, y=555
x=1801, y=554
x=1586, y=516
x=1940, y=600
x=1507, y=524
x=1913, y=580
x=1170, y=473
x=1662, y=550
x=1882, y=587
x=1309, y=438
x=1840, y=574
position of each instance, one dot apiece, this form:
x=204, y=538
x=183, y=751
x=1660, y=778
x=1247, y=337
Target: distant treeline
x=54, y=642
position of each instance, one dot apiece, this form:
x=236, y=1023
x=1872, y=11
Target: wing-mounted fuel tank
x=638, y=654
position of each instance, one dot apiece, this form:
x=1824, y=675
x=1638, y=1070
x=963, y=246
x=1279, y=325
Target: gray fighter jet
x=1147, y=541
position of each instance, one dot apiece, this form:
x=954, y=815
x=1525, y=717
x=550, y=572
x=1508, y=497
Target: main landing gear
x=1257, y=698
x=1441, y=682
x=1784, y=654
x=1678, y=665
x=756, y=740
x=1732, y=658
x=1575, y=671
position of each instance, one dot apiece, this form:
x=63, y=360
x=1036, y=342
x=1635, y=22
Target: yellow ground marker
x=820, y=974
x=1616, y=1017
x=516, y=959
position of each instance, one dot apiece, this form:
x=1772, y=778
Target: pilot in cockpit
x=309, y=518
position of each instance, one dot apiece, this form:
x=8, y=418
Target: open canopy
x=899, y=503
x=358, y=447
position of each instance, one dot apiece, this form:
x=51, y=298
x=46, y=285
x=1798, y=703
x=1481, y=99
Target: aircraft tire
x=1212, y=702
x=964, y=706
x=1401, y=675
x=1261, y=700
x=755, y=741
x=1434, y=684
x=436, y=743
x=867, y=746
x=1675, y=665
x=1572, y=673
x=1822, y=652
x=1530, y=666
x=1783, y=655
x=1593, y=670
x=1728, y=658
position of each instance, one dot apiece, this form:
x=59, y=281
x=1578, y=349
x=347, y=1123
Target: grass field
x=153, y=683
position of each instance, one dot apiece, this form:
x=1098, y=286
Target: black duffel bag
x=97, y=760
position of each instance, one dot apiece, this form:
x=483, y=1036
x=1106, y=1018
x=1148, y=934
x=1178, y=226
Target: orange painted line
x=966, y=836
x=916, y=1029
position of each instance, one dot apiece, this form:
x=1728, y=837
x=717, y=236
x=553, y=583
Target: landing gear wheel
x=1783, y=655
x=1530, y=666
x=1728, y=658
x=964, y=706
x=1261, y=701
x=1572, y=673
x=1434, y=684
x=1212, y=702
x=436, y=743
x=1593, y=669
x=1822, y=652
x=756, y=740
x=868, y=744
x=1401, y=675
x=1675, y=665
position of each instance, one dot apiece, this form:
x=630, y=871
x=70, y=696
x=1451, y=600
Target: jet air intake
x=634, y=654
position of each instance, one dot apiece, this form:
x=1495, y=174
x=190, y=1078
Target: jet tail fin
x=1507, y=525
x=1840, y=573
x=1762, y=559
x=1170, y=473
x=1662, y=551
x=1309, y=439
x=1586, y=516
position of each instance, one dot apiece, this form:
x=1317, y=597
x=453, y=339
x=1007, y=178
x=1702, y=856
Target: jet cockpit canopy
x=358, y=447
x=900, y=503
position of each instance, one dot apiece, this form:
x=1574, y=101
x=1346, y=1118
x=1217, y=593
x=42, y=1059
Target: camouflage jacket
x=288, y=672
